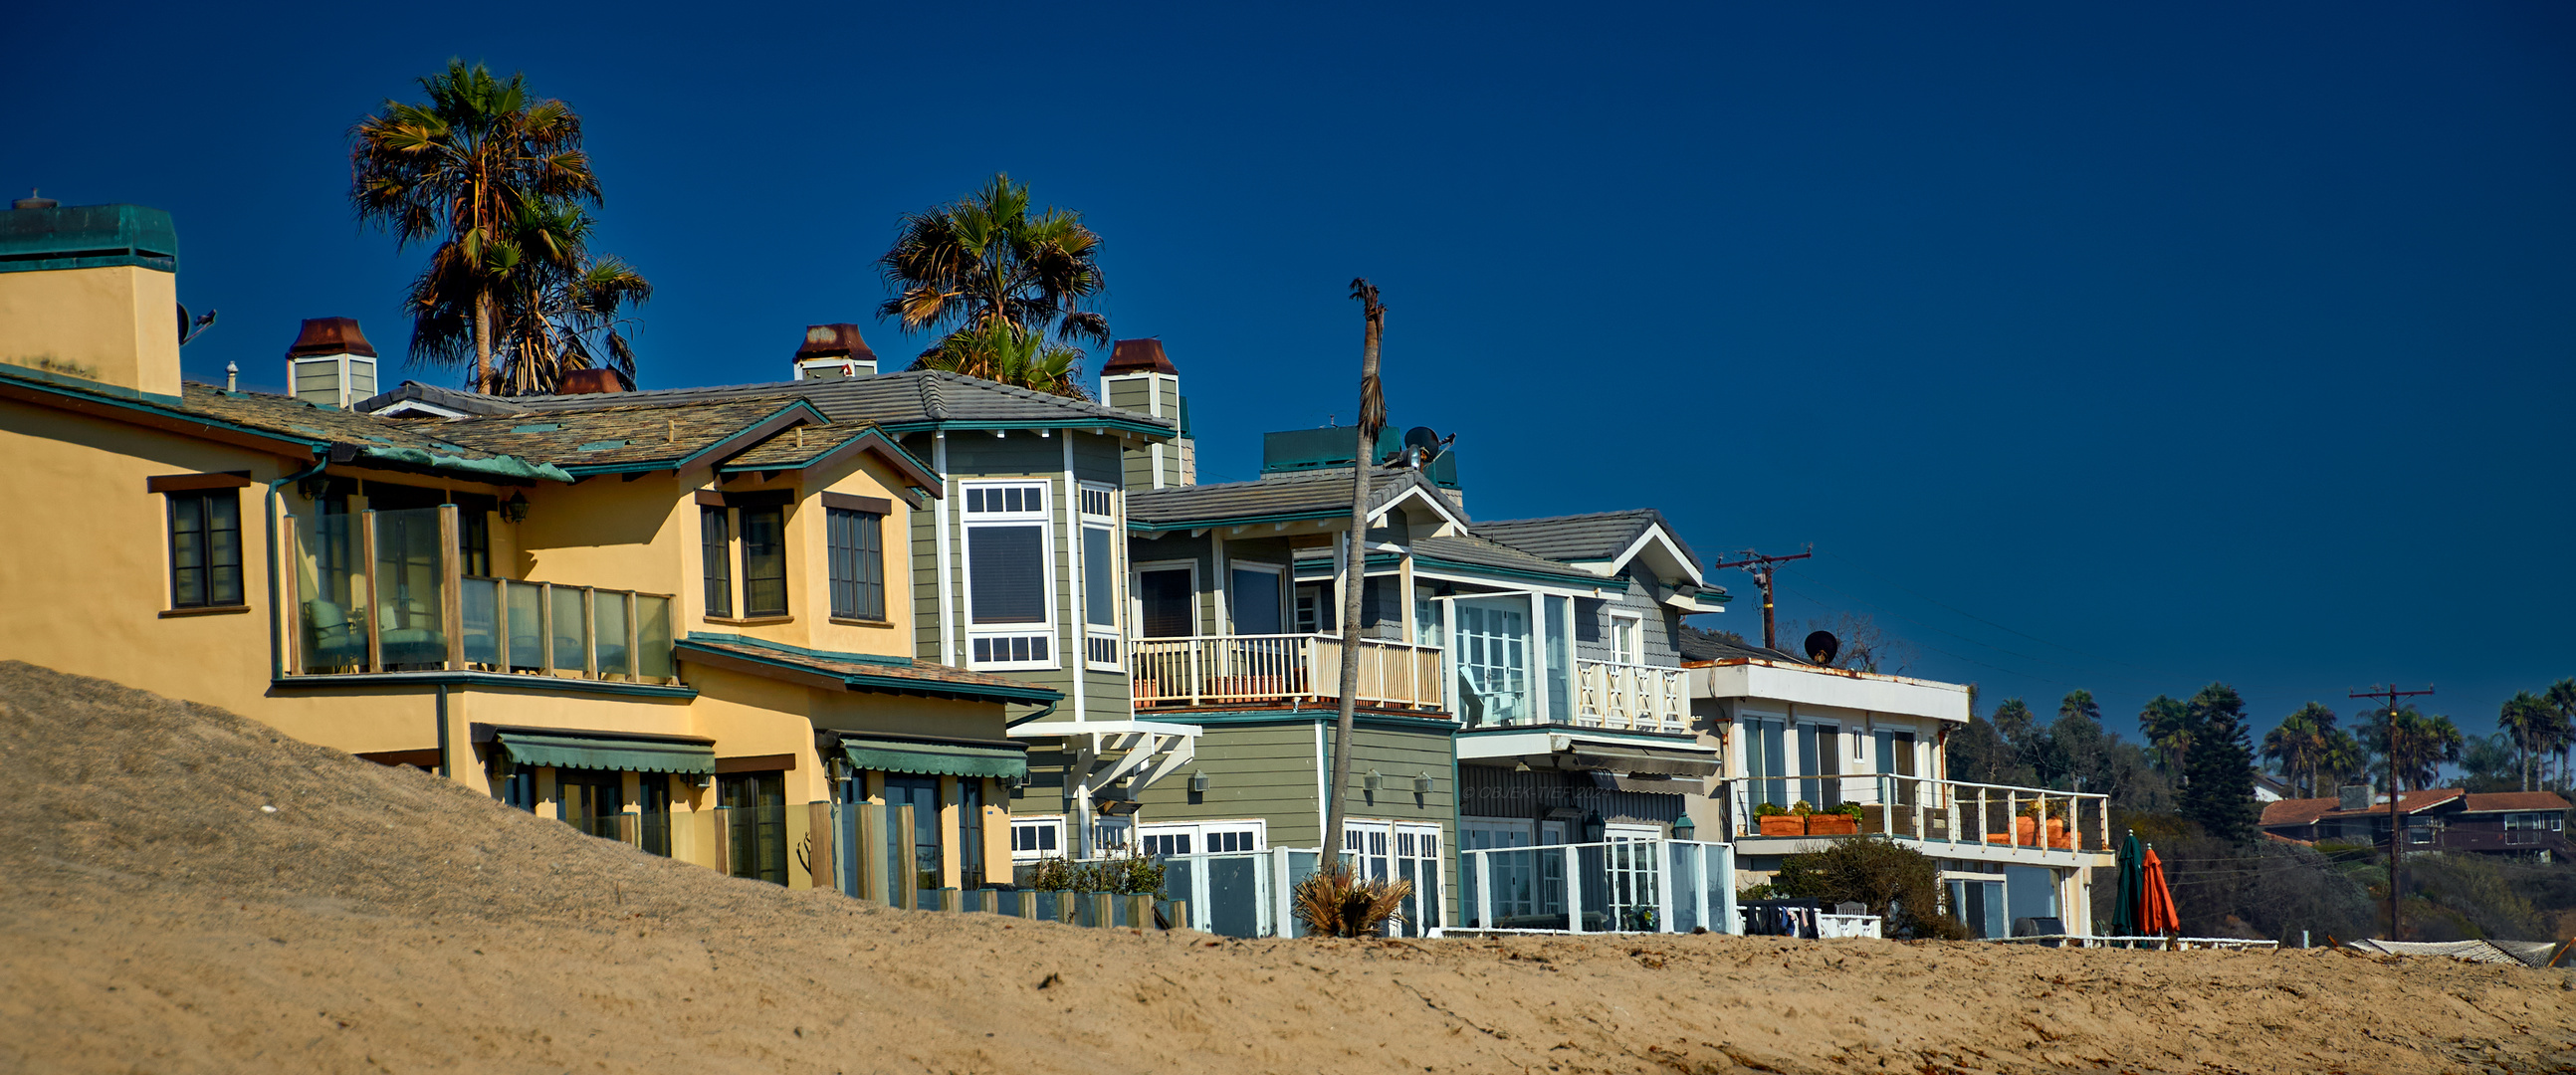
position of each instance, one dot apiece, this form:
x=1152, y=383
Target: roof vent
x=34, y=201
x=834, y=350
x=331, y=364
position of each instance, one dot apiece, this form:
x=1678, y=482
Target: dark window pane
x=205, y=549
x=857, y=564
x=1099, y=578
x=1008, y=567
x=1166, y=598
x=716, y=558
x=755, y=819
x=764, y=562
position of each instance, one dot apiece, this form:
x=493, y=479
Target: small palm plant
x=1338, y=902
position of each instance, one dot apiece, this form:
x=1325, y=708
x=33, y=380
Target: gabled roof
x=1478, y=556
x=367, y=439
x=1699, y=645
x=1610, y=539
x=435, y=400
x=1324, y=494
x=905, y=402
x=2309, y=811
x=626, y=439
x=2504, y=801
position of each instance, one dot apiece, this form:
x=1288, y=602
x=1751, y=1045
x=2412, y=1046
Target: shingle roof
x=2486, y=802
x=1310, y=494
x=2306, y=811
x=1699, y=645
x=1476, y=552
x=287, y=414
x=608, y=436
x=912, y=399
x=870, y=672
x=1592, y=536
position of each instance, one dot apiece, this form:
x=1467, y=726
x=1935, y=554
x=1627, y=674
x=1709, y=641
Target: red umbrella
x=2155, y=904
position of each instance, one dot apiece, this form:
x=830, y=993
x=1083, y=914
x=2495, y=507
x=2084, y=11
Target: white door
x=1400, y=851
x=1514, y=876
x=1631, y=862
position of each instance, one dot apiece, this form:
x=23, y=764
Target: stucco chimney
x=90, y=294
x=1139, y=377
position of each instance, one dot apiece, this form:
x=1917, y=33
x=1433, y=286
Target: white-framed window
x=1204, y=838
x=1400, y=850
x=1112, y=835
x=1166, y=595
x=1256, y=598
x=1009, y=574
x=1034, y=838
x=1100, y=574
x=1627, y=638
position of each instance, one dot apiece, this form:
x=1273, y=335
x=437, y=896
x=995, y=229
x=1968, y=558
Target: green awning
x=571, y=750
x=937, y=759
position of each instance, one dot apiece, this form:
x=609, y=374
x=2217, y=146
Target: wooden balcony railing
x=1250, y=669
x=1637, y=697
x=384, y=591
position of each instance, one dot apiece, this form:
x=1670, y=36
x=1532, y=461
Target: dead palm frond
x=1337, y=902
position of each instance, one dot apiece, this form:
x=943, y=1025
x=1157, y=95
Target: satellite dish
x=1422, y=437
x=1822, y=646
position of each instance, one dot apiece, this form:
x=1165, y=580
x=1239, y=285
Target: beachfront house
x=2514, y=824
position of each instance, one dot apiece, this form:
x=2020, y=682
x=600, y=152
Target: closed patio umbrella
x=2124, y=911
x=2156, y=913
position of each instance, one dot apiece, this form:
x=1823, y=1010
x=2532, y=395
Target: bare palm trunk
x=483, y=344
x=1355, y=562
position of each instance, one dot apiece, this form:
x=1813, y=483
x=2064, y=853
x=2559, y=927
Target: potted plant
x=1842, y=820
x=1775, y=821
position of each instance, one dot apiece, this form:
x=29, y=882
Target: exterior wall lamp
x=515, y=509
x=1373, y=782
x=1685, y=829
x=1594, y=827
x=1422, y=784
x=1198, y=781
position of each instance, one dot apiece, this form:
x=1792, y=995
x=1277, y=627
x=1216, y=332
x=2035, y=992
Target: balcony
x=385, y=591
x=1946, y=816
x=1621, y=886
x=1632, y=697
x=1262, y=669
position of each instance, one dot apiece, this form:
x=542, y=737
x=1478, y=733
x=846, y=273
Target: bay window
x=1100, y=571
x=1010, y=588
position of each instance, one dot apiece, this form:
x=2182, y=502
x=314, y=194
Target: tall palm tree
x=2562, y=697
x=457, y=170
x=989, y=262
x=2167, y=724
x=2420, y=745
x=2079, y=703
x=2342, y=755
x=2294, y=746
x=2531, y=723
x=555, y=307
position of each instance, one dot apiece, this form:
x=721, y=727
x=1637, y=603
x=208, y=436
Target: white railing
x=1239, y=669
x=1621, y=886
x=1918, y=808
x=1637, y=697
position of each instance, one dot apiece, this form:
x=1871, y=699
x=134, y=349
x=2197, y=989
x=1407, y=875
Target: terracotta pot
x=2026, y=831
x=1832, y=825
x=1783, y=825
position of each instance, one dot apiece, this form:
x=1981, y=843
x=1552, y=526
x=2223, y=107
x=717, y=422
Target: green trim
x=167, y=406
x=484, y=679
x=817, y=654
x=1591, y=582
x=507, y=469
x=698, y=642
x=937, y=759
x=49, y=378
x=1242, y=520
x=567, y=750
x=877, y=434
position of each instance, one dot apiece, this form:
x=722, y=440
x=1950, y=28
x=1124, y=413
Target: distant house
x=2528, y=824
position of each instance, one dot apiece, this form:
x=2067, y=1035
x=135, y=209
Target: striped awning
x=1001, y=762
x=577, y=750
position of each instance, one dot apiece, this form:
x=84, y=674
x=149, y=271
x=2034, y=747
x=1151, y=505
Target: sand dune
x=158, y=919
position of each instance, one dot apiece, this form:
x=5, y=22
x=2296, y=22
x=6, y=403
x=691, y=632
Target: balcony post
x=296, y=599
x=1484, y=867
x=1573, y=873
x=545, y=629
x=366, y=609
x=451, y=598
x=589, y=633
x=634, y=638
x=1663, y=875
x=1197, y=667
x=501, y=626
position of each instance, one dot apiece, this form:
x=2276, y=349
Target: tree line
x=496, y=182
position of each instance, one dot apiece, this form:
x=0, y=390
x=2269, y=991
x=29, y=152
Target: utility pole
x=1761, y=567
x=2396, y=839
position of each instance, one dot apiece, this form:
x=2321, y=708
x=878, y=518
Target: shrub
x=1889, y=878
x=1769, y=810
x=1131, y=874
x=1337, y=902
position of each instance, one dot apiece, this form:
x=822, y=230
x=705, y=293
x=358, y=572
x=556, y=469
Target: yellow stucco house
x=678, y=622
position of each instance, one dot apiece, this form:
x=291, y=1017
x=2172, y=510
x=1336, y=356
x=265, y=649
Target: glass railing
x=1625, y=886
x=380, y=591
x=1918, y=808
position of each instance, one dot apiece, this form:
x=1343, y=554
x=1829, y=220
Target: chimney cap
x=35, y=200
x=330, y=336
x=837, y=340
x=1138, y=356
x=596, y=379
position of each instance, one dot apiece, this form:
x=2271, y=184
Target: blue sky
x=2120, y=347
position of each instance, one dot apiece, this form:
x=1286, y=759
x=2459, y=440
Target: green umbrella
x=2125, y=913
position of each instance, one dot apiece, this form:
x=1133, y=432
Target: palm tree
x=2167, y=724
x=988, y=263
x=2294, y=747
x=458, y=170
x=2562, y=697
x=2420, y=746
x=2079, y=703
x=2532, y=724
x=2341, y=754
x=996, y=351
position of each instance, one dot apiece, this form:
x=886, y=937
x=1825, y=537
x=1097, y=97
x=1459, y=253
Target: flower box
x=1832, y=825
x=1783, y=825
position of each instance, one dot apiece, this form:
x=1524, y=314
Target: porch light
x=1198, y=781
x=515, y=509
x=1422, y=784
x=1594, y=827
x=1373, y=782
x=1684, y=829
